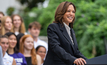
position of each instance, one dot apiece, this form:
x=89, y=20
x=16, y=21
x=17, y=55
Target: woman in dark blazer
x=63, y=49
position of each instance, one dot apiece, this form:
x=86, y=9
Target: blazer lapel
x=63, y=29
x=73, y=36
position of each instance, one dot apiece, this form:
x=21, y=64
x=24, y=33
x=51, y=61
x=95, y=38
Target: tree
x=31, y=3
x=10, y=11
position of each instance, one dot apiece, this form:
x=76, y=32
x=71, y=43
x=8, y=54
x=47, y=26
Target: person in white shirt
x=6, y=25
x=34, y=30
x=7, y=60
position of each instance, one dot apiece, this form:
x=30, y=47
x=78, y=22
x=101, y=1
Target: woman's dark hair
x=9, y=34
x=39, y=47
x=18, y=39
x=61, y=10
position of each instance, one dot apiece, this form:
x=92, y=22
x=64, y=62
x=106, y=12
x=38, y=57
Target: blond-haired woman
x=6, y=25
x=27, y=49
x=18, y=24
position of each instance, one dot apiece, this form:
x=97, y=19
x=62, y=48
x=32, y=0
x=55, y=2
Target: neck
x=10, y=51
x=6, y=31
x=27, y=53
x=66, y=23
x=16, y=29
x=42, y=61
x=4, y=53
x=35, y=39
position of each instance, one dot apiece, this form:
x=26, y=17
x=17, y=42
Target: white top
x=40, y=42
x=16, y=33
x=8, y=60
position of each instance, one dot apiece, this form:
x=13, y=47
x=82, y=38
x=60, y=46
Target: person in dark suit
x=63, y=49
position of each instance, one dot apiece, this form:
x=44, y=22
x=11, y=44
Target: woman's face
x=4, y=44
x=29, y=43
x=69, y=15
x=12, y=41
x=16, y=21
x=8, y=24
x=42, y=52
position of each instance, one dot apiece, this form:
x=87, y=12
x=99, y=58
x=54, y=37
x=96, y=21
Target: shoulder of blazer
x=57, y=26
x=53, y=25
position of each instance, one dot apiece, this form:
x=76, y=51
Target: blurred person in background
x=18, y=24
x=8, y=60
x=1, y=15
x=0, y=25
x=1, y=56
x=13, y=51
x=41, y=50
x=6, y=25
x=34, y=29
x=28, y=50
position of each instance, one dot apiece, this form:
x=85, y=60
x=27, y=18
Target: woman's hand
x=80, y=61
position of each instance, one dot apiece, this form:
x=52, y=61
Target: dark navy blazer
x=61, y=51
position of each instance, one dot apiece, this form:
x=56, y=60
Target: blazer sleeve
x=78, y=54
x=54, y=44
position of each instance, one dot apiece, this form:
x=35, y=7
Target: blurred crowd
x=17, y=47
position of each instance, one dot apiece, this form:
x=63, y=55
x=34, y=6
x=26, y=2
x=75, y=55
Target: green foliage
x=31, y=3
x=90, y=25
x=10, y=11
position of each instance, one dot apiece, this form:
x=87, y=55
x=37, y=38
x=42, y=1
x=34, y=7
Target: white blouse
x=8, y=60
x=16, y=33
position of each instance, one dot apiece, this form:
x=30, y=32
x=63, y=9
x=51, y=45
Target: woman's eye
x=7, y=22
x=68, y=11
x=28, y=41
x=73, y=11
x=10, y=39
